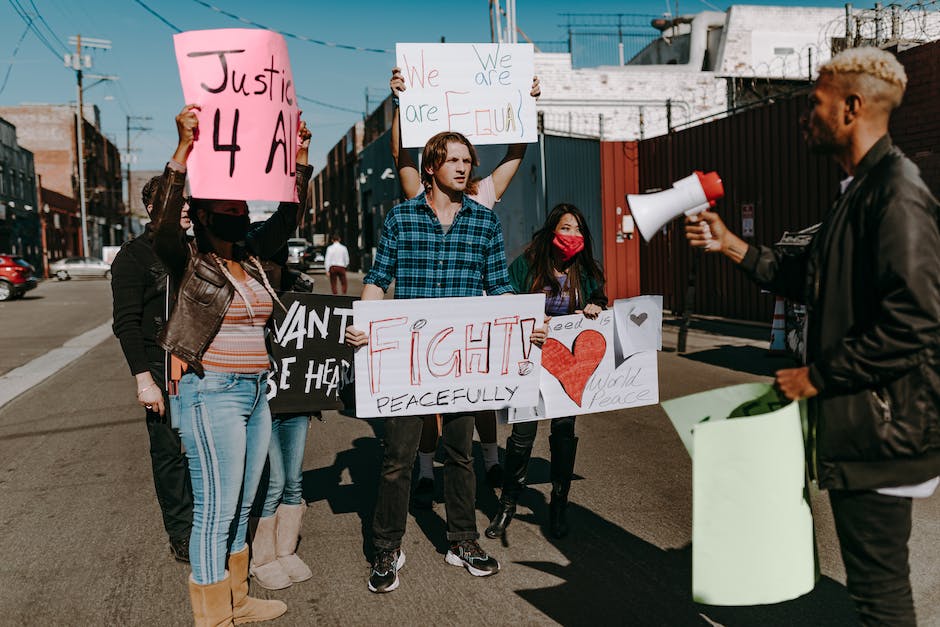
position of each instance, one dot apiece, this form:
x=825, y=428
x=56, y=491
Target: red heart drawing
x=574, y=367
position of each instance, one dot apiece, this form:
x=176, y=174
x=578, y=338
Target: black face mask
x=229, y=228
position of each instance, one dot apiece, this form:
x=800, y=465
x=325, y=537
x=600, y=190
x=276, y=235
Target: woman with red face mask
x=558, y=262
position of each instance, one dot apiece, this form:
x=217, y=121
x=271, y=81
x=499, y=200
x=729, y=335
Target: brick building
x=49, y=131
x=19, y=221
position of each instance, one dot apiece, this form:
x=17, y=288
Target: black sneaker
x=467, y=553
x=384, y=576
x=179, y=549
x=494, y=476
x=424, y=493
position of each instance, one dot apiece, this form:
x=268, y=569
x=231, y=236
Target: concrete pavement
x=82, y=542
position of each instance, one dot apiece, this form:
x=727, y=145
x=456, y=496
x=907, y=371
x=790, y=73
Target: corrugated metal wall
x=764, y=163
x=572, y=175
x=619, y=177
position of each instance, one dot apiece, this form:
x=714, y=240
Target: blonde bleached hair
x=873, y=71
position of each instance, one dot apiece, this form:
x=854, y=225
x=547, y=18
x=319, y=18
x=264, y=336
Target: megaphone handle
x=694, y=211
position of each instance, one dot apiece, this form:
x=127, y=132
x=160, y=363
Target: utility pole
x=133, y=118
x=77, y=62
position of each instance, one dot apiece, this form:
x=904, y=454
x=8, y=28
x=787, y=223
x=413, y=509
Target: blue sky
x=142, y=53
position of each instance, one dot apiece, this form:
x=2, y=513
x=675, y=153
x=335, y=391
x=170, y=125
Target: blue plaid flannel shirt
x=426, y=263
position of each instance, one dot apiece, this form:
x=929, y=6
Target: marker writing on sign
x=271, y=82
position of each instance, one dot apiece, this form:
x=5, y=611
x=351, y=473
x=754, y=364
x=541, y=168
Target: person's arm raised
x=408, y=175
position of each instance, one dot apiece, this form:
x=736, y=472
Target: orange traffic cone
x=778, y=331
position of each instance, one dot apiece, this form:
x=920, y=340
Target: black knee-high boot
x=564, y=451
x=515, y=466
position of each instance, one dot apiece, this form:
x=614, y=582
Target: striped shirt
x=239, y=344
x=426, y=262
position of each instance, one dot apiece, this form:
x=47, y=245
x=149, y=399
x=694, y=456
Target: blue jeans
x=225, y=425
x=286, y=460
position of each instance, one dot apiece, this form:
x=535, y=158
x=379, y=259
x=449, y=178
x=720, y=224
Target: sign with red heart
x=574, y=367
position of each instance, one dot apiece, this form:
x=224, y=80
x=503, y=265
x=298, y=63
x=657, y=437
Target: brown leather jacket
x=204, y=293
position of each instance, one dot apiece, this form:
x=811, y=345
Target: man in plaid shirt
x=440, y=244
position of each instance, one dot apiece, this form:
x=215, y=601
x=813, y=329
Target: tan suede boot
x=212, y=603
x=289, y=518
x=247, y=609
x=265, y=568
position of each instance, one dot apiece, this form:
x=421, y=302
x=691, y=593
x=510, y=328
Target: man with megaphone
x=870, y=280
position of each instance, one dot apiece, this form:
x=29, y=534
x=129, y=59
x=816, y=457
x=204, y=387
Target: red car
x=16, y=276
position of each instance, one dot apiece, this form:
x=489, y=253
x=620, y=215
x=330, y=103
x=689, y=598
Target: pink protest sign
x=242, y=80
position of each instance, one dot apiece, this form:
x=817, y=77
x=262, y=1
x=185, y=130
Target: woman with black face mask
x=216, y=330
x=557, y=262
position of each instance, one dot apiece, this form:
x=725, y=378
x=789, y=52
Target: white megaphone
x=690, y=196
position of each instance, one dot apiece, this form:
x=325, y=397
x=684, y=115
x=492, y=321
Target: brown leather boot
x=289, y=518
x=212, y=603
x=247, y=609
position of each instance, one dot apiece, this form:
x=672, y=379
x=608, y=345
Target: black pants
x=523, y=433
x=402, y=434
x=873, y=532
x=170, y=478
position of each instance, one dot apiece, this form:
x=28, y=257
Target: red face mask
x=568, y=245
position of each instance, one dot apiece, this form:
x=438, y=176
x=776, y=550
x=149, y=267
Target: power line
x=319, y=103
x=12, y=59
x=29, y=24
x=46, y=24
x=158, y=16
x=319, y=42
x=328, y=105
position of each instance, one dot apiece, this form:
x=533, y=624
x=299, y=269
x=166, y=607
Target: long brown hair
x=435, y=154
x=541, y=257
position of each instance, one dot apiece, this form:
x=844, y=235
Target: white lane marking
x=21, y=379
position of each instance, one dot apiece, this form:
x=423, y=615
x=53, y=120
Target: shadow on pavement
x=614, y=577
x=355, y=493
x=748, y=359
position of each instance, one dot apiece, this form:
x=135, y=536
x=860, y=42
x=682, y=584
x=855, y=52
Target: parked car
x=296, y=246
x=314, y=259
x=80, y=267
x=16, y=276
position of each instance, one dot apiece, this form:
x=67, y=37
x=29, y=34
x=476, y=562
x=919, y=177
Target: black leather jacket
x=139, y=283
x=871, y=283
x=205, y=293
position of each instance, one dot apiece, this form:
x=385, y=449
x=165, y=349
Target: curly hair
x=147, y=193
x=872, y=70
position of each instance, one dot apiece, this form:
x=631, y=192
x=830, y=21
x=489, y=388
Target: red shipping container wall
x=619, y=177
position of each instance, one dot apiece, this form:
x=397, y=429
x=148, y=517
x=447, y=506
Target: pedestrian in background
x=224, y=301
x=142, y=300
x=559, y=263
x=336, y=261
x=870, y=280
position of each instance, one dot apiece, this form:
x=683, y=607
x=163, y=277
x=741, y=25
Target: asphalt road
x=82, y=542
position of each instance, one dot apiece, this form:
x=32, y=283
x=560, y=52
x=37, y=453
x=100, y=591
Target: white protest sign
x=480, y=90
x=582, y=375
x=444, y=355
x=639, y=324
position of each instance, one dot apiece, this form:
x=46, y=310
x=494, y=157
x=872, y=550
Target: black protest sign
x=312, y=366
